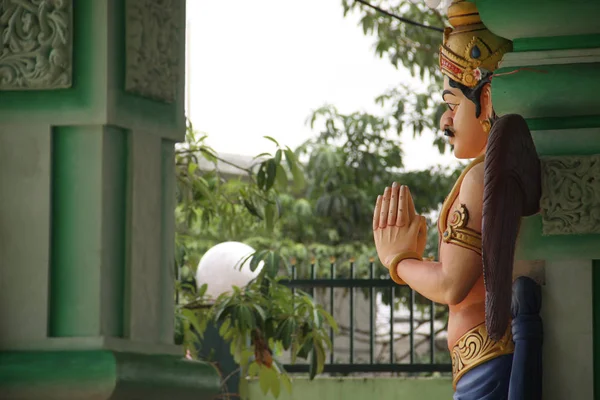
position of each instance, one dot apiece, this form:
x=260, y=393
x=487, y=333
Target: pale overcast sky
x=259, y=67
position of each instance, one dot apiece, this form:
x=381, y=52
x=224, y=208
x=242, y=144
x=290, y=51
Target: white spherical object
x=433, y=3
x=220, y=268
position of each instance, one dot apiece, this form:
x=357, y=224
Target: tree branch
x=399, y=18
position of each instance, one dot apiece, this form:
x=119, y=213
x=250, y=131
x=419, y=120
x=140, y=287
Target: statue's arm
x=451, y=280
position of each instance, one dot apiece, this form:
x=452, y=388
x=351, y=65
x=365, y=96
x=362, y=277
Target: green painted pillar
x=91, y=106
x=559, y=42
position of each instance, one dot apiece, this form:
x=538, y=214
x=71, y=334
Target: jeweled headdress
x=470, y=50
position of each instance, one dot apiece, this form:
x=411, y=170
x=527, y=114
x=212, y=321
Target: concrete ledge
x=90, y=343
x=102, y=374
x=361, y=388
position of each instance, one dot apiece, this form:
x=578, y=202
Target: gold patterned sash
x=475, y=347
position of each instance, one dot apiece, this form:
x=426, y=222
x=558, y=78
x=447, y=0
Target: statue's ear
x=487, y=109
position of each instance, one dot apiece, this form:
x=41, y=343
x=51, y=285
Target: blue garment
x=488, y=381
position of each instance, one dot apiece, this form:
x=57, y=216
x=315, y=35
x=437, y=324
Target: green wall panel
x=88, y=235
x=532, y=245
x=115, y=180
x=561, y=123
x=514, y=19
x=565, y=142
x=76, y=231
x=562, y=90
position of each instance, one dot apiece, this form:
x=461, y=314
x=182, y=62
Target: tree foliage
x=311, y=203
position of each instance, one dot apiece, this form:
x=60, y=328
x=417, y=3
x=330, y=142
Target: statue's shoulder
x=473, y=179
x=471, y=188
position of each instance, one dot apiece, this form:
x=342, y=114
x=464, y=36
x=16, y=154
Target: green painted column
x=91, y=106
x=557, y=56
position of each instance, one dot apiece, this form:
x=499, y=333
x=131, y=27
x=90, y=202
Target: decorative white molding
x=550, y=57
x=570, y=201
x=153, y=32
x=37, y=45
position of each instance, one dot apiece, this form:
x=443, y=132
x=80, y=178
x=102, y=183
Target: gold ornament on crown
x=470, y=49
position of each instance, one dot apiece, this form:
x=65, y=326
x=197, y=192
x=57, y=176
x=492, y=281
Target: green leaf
x=299, y=181
x=277, y=157
x=281, y=179
x=275, y=383
x=271, y=174
x=224, y=327
x=253, y=369
x=246, y=318
x=287, y=382
x=260, y=311
x=220, y=308
x=261, y=176
x=245, y=357
x=244, y=388
x=290, y=157
x=330, y=321
x=264, y=380
x=270, y=215
x=192, y=317
x=192, y=167
x=272, y=263
x=313, y=364
x=257, y=258
x=321, y=357
x=261, y=155
x=251, y=208
x=202, y=291
x=272, y=140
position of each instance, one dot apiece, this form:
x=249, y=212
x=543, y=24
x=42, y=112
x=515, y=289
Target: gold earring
x=486, y=125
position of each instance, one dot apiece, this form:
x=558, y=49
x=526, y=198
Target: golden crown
x=469, y=50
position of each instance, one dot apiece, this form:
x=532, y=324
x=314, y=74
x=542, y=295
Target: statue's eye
x=452, y=107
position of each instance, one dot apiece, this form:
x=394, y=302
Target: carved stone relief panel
x=36, y=44
x=153, y=30
x=570, y=195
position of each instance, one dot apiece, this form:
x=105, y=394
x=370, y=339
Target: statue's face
x=469, y=138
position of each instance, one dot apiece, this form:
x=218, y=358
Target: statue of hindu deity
x=494, y=329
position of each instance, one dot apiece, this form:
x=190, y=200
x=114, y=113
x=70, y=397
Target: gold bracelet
x=409, y=255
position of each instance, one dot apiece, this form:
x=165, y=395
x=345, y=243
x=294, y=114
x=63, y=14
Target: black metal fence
x=374, y=288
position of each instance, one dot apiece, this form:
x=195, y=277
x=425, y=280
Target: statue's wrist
x=398, y=258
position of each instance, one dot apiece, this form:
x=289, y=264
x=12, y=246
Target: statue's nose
x=446, y=120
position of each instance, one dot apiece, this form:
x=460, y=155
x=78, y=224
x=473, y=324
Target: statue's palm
x=396, y=227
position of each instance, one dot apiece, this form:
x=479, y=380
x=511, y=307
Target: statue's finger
x=402, y=207
x=385, y=208
x=393, y=213
x=411, y=206
x=418, y=225
x=376, y=212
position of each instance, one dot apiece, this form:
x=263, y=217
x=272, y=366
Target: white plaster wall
x=24, y=232
x=144, y=280
x=568, y=339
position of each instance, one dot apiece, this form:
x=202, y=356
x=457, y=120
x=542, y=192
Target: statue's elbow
x=455, y=295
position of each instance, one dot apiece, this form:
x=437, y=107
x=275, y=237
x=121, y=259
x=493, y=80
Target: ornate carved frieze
x=570, y=195
x=36, y=44
x=153, y=30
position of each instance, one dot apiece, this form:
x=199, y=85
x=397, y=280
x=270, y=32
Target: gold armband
x=393, y=267
x=457, y=232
